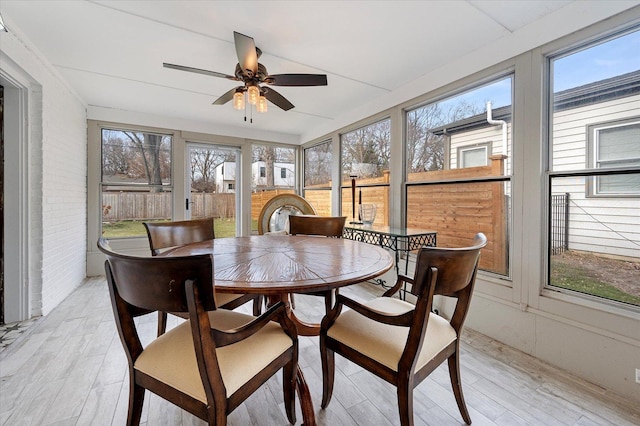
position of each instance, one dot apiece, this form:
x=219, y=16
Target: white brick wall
x=57, y=177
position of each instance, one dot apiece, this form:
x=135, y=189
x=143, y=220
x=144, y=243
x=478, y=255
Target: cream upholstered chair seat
x=385, y=343
x=238, y=362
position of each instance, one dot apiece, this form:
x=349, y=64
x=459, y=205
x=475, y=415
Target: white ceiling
x=376, y=54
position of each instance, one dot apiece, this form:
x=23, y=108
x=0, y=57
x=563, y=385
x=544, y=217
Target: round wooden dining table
x=277, y=265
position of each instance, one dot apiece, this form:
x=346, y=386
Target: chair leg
x=456, y=384
x=162, y=323
x=257, y=305
x=405, y=400
x=327, y=357
x=136, y=399
x=289, y=390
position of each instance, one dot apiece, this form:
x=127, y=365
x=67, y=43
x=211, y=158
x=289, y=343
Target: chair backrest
x=329, y=226
x=163, y=235
x=455, y=275
x=148, y=284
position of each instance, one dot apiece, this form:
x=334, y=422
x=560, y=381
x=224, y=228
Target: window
x=443, y=140
x=273, y=171
x=317, y=177
x=231, y=186
x=615, y=145
x=135, y=182
x=365, y=161
x=473, y=156
x=594, y=169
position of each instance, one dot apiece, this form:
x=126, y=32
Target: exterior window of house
x=365, y=157
x=594, y=170
x=615, y=145
x=441, y=192
x=136, y=181
x=473, y=156
x=317, y=176
x=273, y=172
x=231, y=186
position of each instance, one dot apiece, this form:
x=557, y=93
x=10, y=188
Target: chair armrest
x=396, y=287
x=385, y=318
x=229, y=337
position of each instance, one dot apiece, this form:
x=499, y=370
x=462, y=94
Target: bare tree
x=425, y=150
x=317, y=164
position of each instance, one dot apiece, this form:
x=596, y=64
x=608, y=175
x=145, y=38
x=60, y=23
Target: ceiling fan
x=254, y=75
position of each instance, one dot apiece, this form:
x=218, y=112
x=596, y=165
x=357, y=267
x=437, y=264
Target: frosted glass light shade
x=238, y=100
x=253, y=94
x=261, y=106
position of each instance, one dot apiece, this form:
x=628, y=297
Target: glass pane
x=474, y=157
x=595, y=97
x=136, y=157
x=212, y=176
x=458, y=211
x=366, y=151
x=618, y=143
x=439, y=131
x=595, y=246
x=317, y=165
x=136, y=181
x=124, y=209
x=273, y=172
x=365, y=163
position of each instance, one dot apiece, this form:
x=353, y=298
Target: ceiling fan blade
x=277, y=99
x=199, y=71
x=297, y=80
x=246, y=50
x=226, y=97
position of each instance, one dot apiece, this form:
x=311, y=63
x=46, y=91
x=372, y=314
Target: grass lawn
x=577, y=278
x=134, y=228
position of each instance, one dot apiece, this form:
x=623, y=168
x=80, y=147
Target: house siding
x=592, y=219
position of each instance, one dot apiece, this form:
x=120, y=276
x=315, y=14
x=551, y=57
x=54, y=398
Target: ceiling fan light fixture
x=238, y=100
x=261, y=106
x=253, y=93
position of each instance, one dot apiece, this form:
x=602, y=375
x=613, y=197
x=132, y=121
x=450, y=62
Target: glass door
x=211, y=186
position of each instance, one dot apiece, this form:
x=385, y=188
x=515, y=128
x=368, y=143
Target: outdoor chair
x=209, y=364
x=399, y=342
x=165, y=235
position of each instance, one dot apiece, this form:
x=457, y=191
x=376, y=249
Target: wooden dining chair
x=399, y=342
x=165, y=235
x=209, y=364
x=326, y=226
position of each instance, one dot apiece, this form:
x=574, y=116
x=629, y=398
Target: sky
x=608, y=59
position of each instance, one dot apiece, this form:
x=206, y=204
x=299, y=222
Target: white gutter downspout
x=490, y=120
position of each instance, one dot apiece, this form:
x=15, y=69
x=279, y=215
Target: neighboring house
x=595, y=126
x=283, y=176
x=225, y=177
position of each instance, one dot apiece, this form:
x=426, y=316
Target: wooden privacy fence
x=457, y=211
x=118, y=206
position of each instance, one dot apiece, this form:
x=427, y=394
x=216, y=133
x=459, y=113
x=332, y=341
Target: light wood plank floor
x=70, y=369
